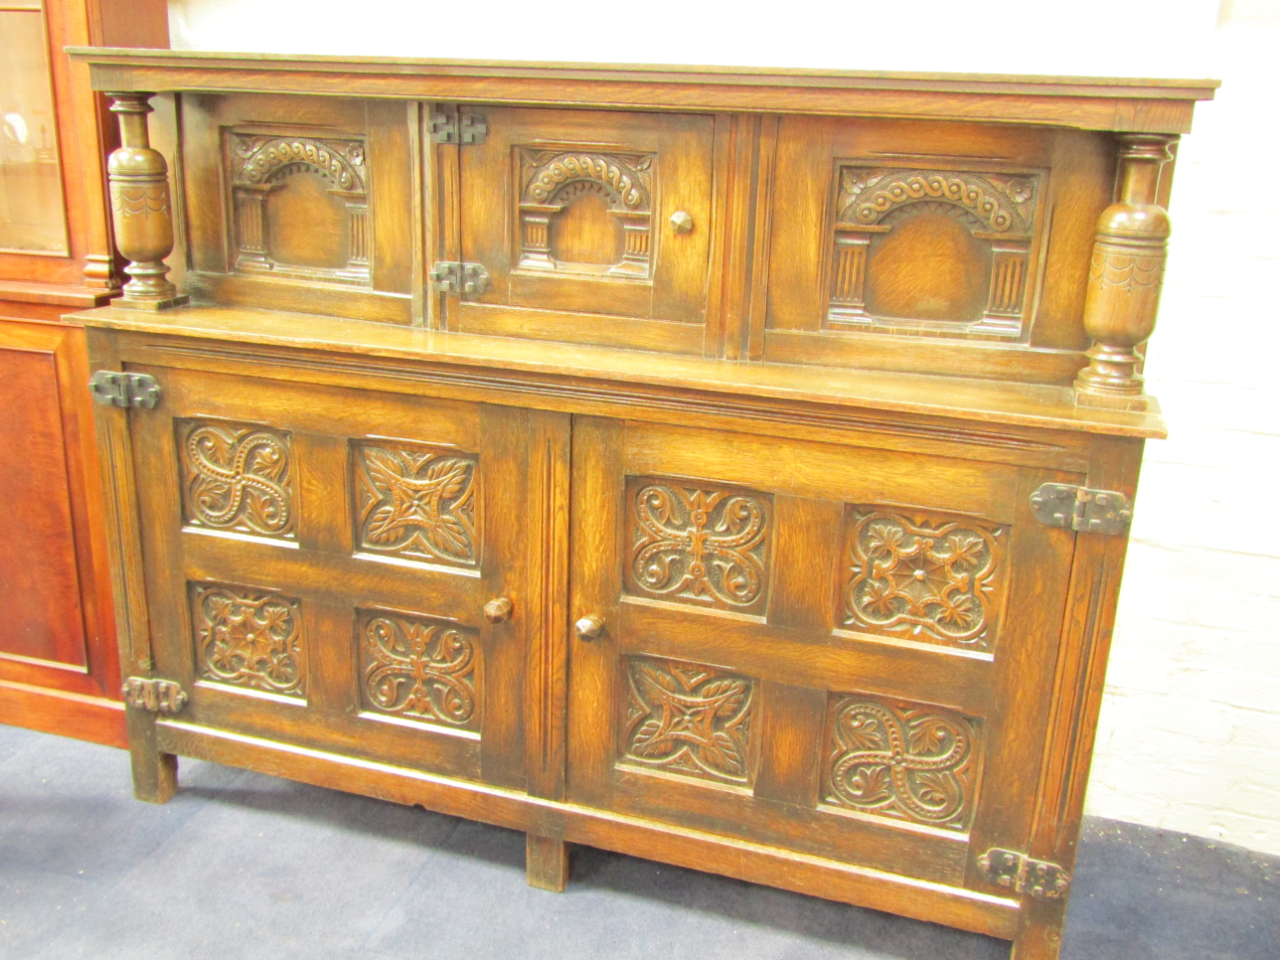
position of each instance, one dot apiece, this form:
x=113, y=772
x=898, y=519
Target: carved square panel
x=700, y=544
x=933, y=250
x=901, y=760
x=237, y=478
x=415, y=502
x=248, y=637
x=418, y=668
x=923, y=576
x=688, y=719
x=585, y=211
x=300, y=206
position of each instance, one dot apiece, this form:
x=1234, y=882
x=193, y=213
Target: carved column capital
x=143, y=214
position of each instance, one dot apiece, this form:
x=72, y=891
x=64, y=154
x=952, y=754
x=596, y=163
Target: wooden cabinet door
x=603, y=217
x=319, y=562
x=843, y=651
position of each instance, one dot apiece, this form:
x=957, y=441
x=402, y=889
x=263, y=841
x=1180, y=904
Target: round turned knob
x=497, y=611
x=589, y=628
x=681, y=222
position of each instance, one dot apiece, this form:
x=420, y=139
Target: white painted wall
x=1190, y=732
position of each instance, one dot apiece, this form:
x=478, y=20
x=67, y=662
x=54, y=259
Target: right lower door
x=839, y=650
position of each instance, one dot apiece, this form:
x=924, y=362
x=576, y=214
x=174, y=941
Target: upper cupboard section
x=891, y=244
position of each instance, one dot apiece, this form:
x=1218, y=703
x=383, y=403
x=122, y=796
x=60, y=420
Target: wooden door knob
x=681, y=222
x=588, y=628
x=497, y=611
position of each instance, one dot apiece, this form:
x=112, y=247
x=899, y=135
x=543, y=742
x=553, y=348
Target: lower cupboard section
x=801, y=872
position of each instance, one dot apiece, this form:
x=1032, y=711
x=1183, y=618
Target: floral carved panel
x=418, y=668
x=249, y=638
x=416, y=503
x=689, y=543
x=902, y=761
x=688, y=719
x=237, y=477
x=931, y=578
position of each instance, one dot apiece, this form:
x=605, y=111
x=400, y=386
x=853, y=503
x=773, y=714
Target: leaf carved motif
x=688, y=719
x=248, y=637
x=930, y=579
x=902, y=761
x=700, y=546
x=419, y=669
x=416, y=503
x=1125, y=271
x=237, y=477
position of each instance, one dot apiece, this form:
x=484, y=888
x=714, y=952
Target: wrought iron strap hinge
x=1081, y=509
x=461, y=127
x=460, y=279
x=112, y=388
x=158, y=696
x=1018, y=872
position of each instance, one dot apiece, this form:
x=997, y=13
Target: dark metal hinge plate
x=158, y=696
x=1081, y=509
x=1017, y=872
x=463, y=127
x=112, y=388
x=460, y=279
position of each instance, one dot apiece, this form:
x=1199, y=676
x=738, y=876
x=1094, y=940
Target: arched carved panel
x=896, y=242
x=332, y=179
x=563, y=195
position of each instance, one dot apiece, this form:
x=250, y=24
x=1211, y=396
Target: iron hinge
x=158, y=696
x=1019, y=873
x=1081, y=509
x=461, y=127
x=460, y=279
x=112, y=388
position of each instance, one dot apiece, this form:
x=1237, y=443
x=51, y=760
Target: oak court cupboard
x=732, y=468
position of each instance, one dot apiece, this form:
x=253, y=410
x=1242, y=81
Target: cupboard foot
x=1039, y=931
x=155, y=773
x=546, y=863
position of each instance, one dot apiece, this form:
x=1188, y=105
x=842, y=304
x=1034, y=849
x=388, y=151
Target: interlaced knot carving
x=902, y=762
x=237, y=477
x=419, y=669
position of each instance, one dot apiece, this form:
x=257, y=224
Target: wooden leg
x=1039, y=934
x=155, y=774
x=546, y=862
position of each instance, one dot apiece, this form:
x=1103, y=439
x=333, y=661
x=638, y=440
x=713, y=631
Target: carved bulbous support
x=1125, y=278
x=143, y=217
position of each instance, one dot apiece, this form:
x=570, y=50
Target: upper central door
x=590, y=226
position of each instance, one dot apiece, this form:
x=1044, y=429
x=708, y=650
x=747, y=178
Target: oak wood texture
x=639, y=457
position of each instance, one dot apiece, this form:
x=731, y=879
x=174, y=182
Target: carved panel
x=688, y=719
x=903, y=761
x=417, y=503
x=692, y=544
x=260, y=167
x=997, y=213
x=237, y=477
x=248, y=637
x=927, y=577
x=606, y=196
x=418, y=668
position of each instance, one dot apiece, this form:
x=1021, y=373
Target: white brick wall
x=1190, y=731
x=1189, y=737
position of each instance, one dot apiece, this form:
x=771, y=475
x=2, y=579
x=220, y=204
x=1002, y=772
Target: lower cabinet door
x=843, y=651
x=339, y=569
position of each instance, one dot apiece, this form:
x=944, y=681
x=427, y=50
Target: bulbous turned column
x=1125, y=277
x=143, y=221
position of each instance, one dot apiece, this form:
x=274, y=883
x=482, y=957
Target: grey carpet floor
x=241, y=865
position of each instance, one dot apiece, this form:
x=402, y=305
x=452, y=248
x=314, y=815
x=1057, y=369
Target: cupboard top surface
x=995, y=402
x=1122, y=104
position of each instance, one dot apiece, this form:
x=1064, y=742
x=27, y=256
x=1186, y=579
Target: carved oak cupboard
x=731, y=468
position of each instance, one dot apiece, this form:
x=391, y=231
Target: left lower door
x=318, y=561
